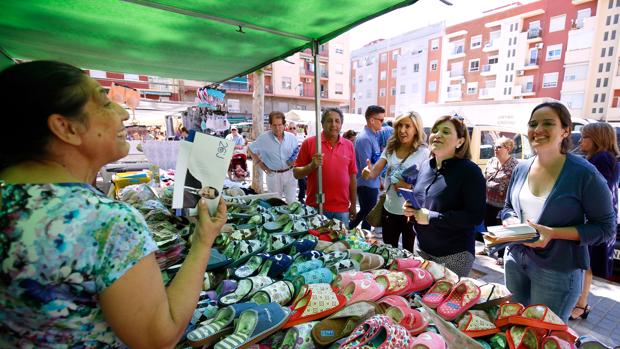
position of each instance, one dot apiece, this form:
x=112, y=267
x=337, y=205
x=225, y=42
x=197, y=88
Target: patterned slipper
x=313, y=302
x=252, y=266
x=342, y=323
x=438, y=293
x=463, y=296
x=246, y=288
x=280, y=292
x=217, y=327
x=298, y=337
x=476, y=323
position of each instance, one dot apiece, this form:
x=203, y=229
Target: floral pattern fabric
x=498, y=177
x=62, y=245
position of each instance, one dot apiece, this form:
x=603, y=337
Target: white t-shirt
x=393, y=202
x=531, y=206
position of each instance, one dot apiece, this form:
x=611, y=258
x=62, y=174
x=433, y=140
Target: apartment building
x=392, y=73
x=289, y=83
x=153, y=88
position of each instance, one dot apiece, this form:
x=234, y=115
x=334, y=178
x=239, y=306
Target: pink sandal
x=419, y=279
x=411, y=319
x=344, y=278
x=362, y=290
x=464, y=295
x=438, y=293
x=429, y=340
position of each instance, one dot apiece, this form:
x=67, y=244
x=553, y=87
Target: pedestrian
x=598, y=142
x=565, y=199
x=367, y=148
x=79, y=268
x=350, y=135
x=406, y=151
x=235, y=137
x=338, y=168
x=451, y=192
x=275, y=152
x=497, y=174
x=301, y=182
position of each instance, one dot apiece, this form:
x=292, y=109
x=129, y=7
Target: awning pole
x=320, y=197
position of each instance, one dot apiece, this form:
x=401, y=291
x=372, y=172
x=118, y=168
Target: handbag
x=374, y=216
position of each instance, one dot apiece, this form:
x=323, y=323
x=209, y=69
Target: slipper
x=334, y=256
x=280, y=292
x=213, y=279
x=437, y=293
x=226, y=287
x=589, y=342
x=344, y=265
x=440, y=272
x=252, y=266
x=303, y=245
x=279, y=242
x=569, y=335
x=506, y=311
x=419, y=279
x=254, y=325
x=492, y=294
x=395, y=282
x=342, y=279
x=298, y=337
x=342, y=323
x=520, y=337
x=389, y=336
x=246, y=288
x=307, y=256
x=367, y=329
x=217, y=327
x=538, y=316
x=405, y=263
x=476, y=323
x=217, y=260
x=243, y=250
x=272, y=227
x=298, y=269
x=318, y=276
x=314, y=302
x=553, y=342
x=367, y=261
x=362, y=290
x=387, y=302
x=411, y=319
x=337, y=246
x=463, y=296
x=276, y=265
x=429, y=340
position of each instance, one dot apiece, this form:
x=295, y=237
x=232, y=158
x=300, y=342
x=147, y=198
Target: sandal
x=585, y=311
x=476, y=323
x=463, y=296
x=438, y=293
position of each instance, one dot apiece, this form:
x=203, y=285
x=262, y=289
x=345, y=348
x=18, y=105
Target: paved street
x=604, y=320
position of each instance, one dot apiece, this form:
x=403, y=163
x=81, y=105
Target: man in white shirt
x=275, y=152
x=235, y=136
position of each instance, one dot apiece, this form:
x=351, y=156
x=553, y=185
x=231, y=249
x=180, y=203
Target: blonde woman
x=598, y=143
x=406, y=150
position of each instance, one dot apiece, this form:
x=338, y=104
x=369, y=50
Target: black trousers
x=491, y=218
x=394, y=226
x=367, y=197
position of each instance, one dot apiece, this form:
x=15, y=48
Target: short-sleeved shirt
x=338, y=166
x=274, y=153
x=393, y=202
x=367, y=148
x=62, y=245
x=238, y=139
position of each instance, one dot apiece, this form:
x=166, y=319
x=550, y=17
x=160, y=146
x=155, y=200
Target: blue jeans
x=367, y=197
x=342, y=216
x=531, y=284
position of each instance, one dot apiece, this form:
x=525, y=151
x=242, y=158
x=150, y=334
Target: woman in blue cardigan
x=565, y=199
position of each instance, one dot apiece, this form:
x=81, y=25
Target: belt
x=281, y=171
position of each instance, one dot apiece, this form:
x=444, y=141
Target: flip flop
x=342, y=323
x=254, y=325
x=220, y=325
x=246, y=288
x=280, y=292
x=463, y=296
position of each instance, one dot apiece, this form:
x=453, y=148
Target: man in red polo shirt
x=339, y=169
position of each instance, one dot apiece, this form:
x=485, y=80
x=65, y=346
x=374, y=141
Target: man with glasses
x=275, y=152
x=367, y=148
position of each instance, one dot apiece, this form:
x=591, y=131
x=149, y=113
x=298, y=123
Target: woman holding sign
x=405, y=152
x=79, y=268
x=450, y=192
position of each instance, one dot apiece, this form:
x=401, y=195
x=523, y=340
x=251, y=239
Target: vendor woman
x=79, y=269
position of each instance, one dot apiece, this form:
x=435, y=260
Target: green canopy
x=192, y=39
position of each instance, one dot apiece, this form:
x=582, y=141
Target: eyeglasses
x=380, y=120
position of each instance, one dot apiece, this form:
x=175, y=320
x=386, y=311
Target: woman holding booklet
x=567, y=202
x=450, y=191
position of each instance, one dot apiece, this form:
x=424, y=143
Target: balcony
x=324, y=73
x=534, y=35
x=486, y=93
x=310, y=93
x=528, y=89
x=454, y=95
x=491, y=46
x=457, y=52
x=531, y=63
x=456, y=74
x=489, y=70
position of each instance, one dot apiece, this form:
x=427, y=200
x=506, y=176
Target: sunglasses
x=497, y=147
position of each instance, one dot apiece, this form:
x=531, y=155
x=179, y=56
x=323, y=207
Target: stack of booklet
x=500, y=236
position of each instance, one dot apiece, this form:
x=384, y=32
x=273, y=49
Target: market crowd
x=84, y=262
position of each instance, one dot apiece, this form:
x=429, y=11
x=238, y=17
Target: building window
x=575, y=73
x=550, y=80
x=360, y=78
x=359, y=110
x=603, y=95
x=339, y=89
x=403, y=70
x=557, y=23
x=512, y=66
x=474, y=65
x=610, y=52
x=509, y=90
x=608, y=20
x=394, y=72
x=339, y=68
x=611, y=4
x=607, y=67
x=97, y=74
x=605, y=82
x=132, y=77
x=402, y=89
x=414, y=87
x=600, y=68
x=394, y=55
x=383, y=57
x=613, y=35
x=593, y=110
x=432, y=86
x=393, y=91
x=605, y=36
x=383, y=75
x=458, y=47
x=472, y=88
x=493, y=60
x=382, y=92
x=616, y=16
x=434, y=44
x=416, y=67
x=598, y=82
x=476, y=41
x=603, y=52
x=554, y=52
x=595, y=100
x=600, y=110
x=338, y=48
x=286, y=83
x=434, y=65
x=368, y=93
x=392, y=108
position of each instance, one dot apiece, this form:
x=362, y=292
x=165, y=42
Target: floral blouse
x=61, y=245
x=498, y=178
